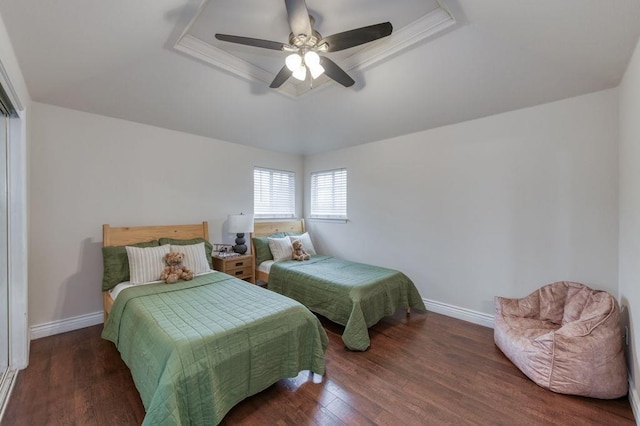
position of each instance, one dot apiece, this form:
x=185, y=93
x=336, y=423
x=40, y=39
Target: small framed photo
x=222, y=248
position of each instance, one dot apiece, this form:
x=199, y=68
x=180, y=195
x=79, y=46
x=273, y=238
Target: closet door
x=4, y=290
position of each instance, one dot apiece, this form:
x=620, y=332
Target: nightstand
x=237, y=266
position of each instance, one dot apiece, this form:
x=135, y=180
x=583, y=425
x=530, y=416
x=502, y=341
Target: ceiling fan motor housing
x=303, y=40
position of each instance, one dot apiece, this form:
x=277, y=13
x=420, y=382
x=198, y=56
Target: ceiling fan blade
x=299, y=20
x=255, y=42
x=282, y=76
x=352, y=38
x=333, y=71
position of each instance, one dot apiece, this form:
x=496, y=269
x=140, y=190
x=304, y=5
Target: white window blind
x=273, y=193
x=329, y=194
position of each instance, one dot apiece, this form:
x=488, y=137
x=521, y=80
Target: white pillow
x=281, y=248
x=305, y=239
x=195, y=258
x=146, y=263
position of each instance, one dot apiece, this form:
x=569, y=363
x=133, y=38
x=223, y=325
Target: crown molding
x=212, y=55
x=427, y=26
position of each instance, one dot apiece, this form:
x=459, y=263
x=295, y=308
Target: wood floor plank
x=421, y=369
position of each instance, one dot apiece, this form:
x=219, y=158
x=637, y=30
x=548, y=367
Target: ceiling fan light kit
x=298, y=65
x=305, y=43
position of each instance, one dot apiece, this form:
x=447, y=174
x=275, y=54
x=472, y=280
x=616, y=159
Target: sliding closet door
x=4, y=290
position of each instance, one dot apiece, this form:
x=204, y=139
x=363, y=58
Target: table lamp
x=239, y=224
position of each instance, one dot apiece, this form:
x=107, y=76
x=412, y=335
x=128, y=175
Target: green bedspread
x=352, y=294
x=197, y=348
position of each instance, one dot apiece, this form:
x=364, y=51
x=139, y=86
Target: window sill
x=327, y=220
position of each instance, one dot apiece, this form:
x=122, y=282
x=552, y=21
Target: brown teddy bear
x=175, y=270
x=298, y=251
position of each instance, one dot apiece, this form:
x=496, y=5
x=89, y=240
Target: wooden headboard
x=263, y=229
x=135, y=234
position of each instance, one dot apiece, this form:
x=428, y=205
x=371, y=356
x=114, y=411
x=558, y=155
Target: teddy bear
x=175, y=270
x=298, y=251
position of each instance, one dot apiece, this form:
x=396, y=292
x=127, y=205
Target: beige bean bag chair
x=566, y=338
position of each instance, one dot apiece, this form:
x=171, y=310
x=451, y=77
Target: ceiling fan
x=305, y=43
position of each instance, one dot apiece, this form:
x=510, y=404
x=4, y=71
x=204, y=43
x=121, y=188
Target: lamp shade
x=240, y=223
x=300, y=73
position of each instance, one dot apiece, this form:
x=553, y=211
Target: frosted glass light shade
x=312, y=60
x=316, y=70
x=293, y=62
x=300, y=73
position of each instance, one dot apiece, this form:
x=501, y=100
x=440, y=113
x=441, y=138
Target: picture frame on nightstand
x=223, y=250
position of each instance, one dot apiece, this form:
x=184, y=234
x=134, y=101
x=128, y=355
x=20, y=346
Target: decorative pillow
x=146, y=264
x=116, y=264
x=281, y=248
x=261, y=247
x=208, y=247
x=195, y=257
x=305, y=239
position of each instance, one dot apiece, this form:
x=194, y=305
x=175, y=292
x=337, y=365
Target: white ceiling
x=117, y=58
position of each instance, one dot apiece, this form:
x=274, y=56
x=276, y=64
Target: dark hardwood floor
x=427, y=369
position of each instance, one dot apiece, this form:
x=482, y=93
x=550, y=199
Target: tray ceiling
x=415, y=21
x=119, y=59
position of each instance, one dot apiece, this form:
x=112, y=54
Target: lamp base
x=240, y=246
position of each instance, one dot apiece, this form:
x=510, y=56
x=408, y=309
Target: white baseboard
x=69, y=324
x=460, y=313
x=87, y=320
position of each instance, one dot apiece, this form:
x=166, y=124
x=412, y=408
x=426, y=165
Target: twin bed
x=196, y=348
x=354, y=295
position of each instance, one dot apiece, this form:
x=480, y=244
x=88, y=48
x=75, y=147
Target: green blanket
x=352, y=294
x=197, y=348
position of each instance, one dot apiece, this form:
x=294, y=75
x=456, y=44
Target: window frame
x=290, y=194
x=338, y=196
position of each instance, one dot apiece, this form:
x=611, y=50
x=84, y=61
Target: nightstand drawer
x=237, y=263
x=240, y=272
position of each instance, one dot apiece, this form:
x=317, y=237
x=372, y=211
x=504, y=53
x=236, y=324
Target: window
x=273, y=193
x=329, y=194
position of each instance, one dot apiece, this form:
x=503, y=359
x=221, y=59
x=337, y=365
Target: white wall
x=495, y=206
x=87, y=170
x=629, y=251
